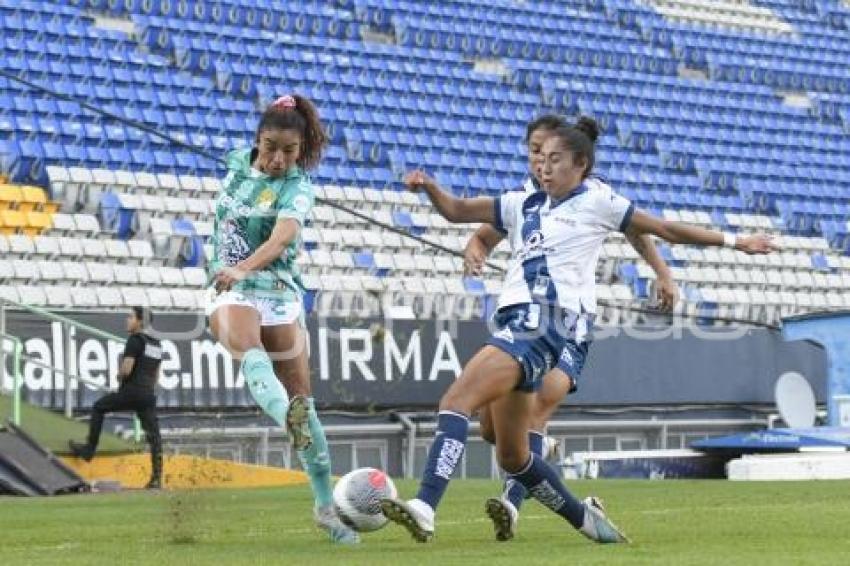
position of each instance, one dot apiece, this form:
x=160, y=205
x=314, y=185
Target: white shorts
x=273, y=311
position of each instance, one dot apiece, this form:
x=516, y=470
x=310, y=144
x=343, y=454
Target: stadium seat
x=21, y=245
x=32, y=295
x=134, y=296
x=84, y=297
x=46, y=246
x=100, y=273
x=59, y=296
x=12, y=221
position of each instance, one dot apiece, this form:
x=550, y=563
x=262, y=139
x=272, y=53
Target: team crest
x=265, y=199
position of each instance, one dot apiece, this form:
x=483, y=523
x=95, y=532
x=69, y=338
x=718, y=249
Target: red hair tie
x=286, y=102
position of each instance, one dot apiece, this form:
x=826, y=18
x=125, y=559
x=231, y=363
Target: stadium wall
x=365, y=364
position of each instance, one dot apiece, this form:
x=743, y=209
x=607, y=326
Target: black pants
x=130, y=399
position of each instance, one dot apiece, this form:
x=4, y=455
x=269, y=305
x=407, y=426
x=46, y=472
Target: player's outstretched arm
x=456, y=210
x=480, y=245
x=682, y=233
x=668, y=291
x=284, y=233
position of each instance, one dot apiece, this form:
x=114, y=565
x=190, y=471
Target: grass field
x=672, y=522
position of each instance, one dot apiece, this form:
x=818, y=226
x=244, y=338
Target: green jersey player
x=256, y=308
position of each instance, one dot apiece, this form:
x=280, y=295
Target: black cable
x=368, y=219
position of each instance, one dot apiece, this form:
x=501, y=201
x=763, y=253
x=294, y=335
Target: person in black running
x=137, y=377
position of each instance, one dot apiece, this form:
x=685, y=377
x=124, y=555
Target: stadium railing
x=68, y=377
x=16, y=377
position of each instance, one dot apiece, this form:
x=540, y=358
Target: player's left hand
x=417, y=180
x=228, y=277
x=667, y=293
x=756, y=244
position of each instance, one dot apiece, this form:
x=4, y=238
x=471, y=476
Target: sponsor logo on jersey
x=533, y=247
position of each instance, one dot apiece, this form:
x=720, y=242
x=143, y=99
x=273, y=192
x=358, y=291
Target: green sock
x=264, y=386
x=316, y=460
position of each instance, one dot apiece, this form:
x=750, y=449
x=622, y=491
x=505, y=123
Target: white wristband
x=729, y=240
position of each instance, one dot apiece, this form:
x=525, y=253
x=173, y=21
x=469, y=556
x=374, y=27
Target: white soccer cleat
x=504, y=516
x=597, y=526
x=414, y=515
x=328, y=520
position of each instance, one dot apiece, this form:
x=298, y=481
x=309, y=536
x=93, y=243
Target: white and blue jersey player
x=556, y=384
x=542, y=324
x=548, y=301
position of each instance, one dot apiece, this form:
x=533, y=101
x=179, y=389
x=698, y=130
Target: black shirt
x=148, y=355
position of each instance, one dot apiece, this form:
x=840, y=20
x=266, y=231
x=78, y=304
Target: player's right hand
x=667, y=293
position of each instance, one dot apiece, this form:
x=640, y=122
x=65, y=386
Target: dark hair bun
x=589, y=126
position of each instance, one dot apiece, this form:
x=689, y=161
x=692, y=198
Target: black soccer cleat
x=81, y=450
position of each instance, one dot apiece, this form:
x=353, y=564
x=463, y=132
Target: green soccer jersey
x=249, y=205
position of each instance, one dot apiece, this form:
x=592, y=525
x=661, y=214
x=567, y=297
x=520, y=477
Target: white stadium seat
x=32, y=295
x=100, y=272
x=109, y=297
x=194, y=277
x=74, y=271
x=7, y=271
x=169, y=183
x=134, y=296
x=193, y=184
x=25, y=271
x=174, y=206
x=59, y=296
x=50, y=271
x=171, y=276
x=140, y=249
x=203, y=229
x=47, y=246
x=354, y=194
x=94, y=248
x=21, y=245
x=159, y=298
x=197, y=207
x=10, y=293
x=117, y=249
x=210, y=185
x=62, y=223
x=184, y=299
x=125, y=179
x=125, y=274
x=146, y=181
x=87, y=224
x=84, y=297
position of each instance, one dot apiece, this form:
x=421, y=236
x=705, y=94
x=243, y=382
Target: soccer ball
x=357, y=498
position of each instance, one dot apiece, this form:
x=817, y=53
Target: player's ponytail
x=589, y=126
x=295, y=112
x=580, y=139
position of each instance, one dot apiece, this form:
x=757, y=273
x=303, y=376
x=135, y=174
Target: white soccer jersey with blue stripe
x=556, y=245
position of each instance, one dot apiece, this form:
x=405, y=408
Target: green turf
x=53, y=430
x=671, y=522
